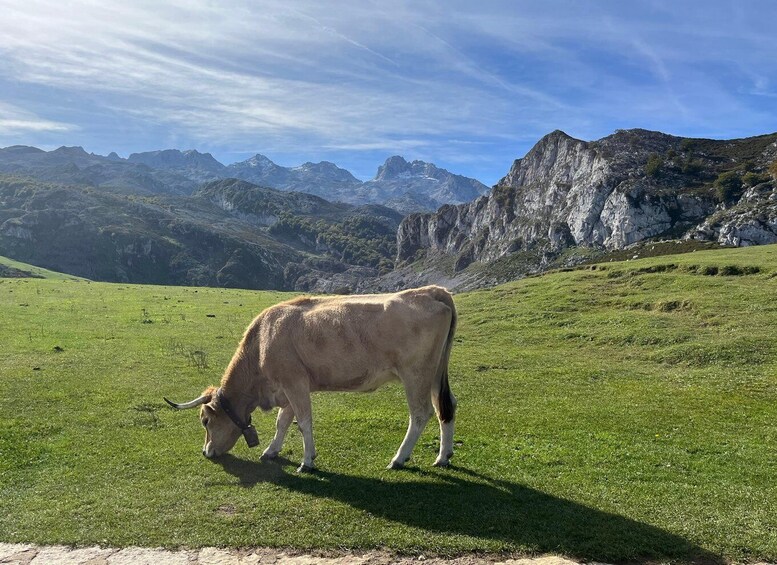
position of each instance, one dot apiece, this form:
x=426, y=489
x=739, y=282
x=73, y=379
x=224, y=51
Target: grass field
x=618, y=412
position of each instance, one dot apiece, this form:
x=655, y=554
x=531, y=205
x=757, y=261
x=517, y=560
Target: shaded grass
x=627, y=412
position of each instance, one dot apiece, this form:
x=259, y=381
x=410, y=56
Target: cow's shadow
x=462, y=502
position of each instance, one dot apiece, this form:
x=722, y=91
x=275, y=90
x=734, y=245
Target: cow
x=335, y=343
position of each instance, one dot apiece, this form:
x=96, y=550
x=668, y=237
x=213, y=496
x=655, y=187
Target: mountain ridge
x=424, y=187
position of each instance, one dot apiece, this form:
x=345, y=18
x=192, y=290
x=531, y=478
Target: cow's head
x=223, y=426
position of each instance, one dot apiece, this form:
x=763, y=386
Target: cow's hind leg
x=420, y=405
x=446, y=432
x=282, y=423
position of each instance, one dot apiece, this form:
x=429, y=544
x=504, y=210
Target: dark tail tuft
x=447, y=402
x=447, y=408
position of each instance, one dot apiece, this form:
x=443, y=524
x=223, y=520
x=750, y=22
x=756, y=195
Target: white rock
x=62, y=555
x=148, y=556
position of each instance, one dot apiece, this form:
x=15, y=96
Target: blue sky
x=469, y=86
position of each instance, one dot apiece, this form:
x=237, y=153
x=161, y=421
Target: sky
x=469, y=85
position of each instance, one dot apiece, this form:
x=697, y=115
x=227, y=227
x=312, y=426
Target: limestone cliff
x=625, y=188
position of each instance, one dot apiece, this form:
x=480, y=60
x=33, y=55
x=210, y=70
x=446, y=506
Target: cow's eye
x=205, y=423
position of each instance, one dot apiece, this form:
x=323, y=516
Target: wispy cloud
x=369, y=78
x=14, y=120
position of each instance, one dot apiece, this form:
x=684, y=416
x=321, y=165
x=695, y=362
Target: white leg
x=420, y=411
x=301, y=405
x=446, y=439
x=282, y=423
x=306, y=427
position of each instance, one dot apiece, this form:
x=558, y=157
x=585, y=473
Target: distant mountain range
x=181, y=217
x=406, y=187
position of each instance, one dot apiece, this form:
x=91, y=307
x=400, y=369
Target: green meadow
x=617, y=412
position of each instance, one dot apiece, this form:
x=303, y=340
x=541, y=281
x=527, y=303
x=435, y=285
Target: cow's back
x=356, y=342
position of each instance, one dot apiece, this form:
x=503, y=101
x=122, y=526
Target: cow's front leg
x=300, y=403
x=306, y=427
x=282, y=423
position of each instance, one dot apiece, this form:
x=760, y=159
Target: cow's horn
x=192, y=404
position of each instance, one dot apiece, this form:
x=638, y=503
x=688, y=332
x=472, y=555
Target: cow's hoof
x=305, y=468
x=443, y=462
x=269, y=455
x=396, y=464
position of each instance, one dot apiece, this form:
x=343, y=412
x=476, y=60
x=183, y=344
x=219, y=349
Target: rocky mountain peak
x=324, y=171
x=175, y=158
x=258, y=161
x=392, y=168
x=74, y=151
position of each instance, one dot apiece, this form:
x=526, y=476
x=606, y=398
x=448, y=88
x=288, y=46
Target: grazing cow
x=336, y=343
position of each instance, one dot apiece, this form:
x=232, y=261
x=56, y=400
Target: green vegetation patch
x=607, y=418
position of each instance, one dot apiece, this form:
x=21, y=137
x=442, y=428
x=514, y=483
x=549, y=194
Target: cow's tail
x=446, y=401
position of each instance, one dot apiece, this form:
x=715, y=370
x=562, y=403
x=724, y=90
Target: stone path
x=23, y=554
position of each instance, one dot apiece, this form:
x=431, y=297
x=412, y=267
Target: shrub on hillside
x=692, y=166
x=653, y=166
x=752, y=179
x=728, y=186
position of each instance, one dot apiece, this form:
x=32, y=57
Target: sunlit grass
x=629, y=411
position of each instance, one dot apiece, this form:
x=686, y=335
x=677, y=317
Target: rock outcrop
x=752, y=221
x=611, y=193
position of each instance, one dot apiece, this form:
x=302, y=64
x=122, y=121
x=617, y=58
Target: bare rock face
x=611, y=193
x=752, y=221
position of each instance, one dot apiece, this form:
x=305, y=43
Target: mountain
x=630, y=187
x=323, y=179
x=230, y=233
x=199, y=167
x=118, y=237
x=73, y=165
x=406, y=187
x=341, y=244
x=418, y=185
x=566, y=201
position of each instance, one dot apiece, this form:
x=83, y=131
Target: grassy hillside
x=615, y=412
x=16, y=269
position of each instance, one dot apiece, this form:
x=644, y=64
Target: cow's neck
x=243, y=402
x=243, y=383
